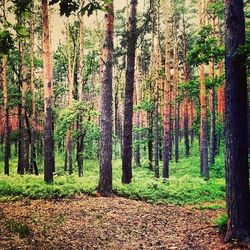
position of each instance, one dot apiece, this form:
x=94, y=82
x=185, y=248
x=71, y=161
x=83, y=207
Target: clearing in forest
x=106, y=223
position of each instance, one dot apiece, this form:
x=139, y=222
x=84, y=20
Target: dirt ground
x=106, y=223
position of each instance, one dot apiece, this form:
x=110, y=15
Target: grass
x=184, y=186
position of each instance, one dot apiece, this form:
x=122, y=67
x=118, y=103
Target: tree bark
x=105, y=180
x=33, y=165
x=167, y=98
x=237, y=170
x=80, y=139
x=203, y=109
x=175, y=85
x=24, y=147
x=48, y=87
x=6, y=116
x=128, y=103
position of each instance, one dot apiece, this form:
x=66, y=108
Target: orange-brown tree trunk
x=48, y=87
x=203, y=109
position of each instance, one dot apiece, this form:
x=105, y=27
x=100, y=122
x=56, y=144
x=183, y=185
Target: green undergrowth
x=184, y=186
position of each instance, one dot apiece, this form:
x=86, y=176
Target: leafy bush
x=221, y=222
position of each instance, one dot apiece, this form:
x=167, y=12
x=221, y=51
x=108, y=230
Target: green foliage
x=67, y=7
x=216, y=8
x=221, y=222
x=68, y=116
x=185, y=186
x=6, y=42
x=205, y=48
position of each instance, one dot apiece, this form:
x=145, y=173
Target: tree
x=203, y=106
x=237, y=172
x=33, y=165
x=167, y=95
x=3, y=78
x=105, y=180
x=48, y=87
x=129, y=90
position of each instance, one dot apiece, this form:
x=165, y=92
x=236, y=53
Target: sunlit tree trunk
x=105, y=180
x=203, y=105
x=212, y=103
x=48, y=86
x=186, y=99
x=175, y=86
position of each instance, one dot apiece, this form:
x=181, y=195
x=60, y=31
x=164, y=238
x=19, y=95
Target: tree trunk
x=80, y=139
x=212, y=105
x=157, y=174
x=128, y=103
x=175, y=83
x=186, y=100
x=237, y=172
x=167, y=98
x=33, y=165
x=137, y=118
x=105, y=181
x=24, y=156
x=47, y=68
x=6, y=116
x=203, y=109
x=150, y=139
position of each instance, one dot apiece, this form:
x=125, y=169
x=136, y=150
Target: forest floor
x=86, y=222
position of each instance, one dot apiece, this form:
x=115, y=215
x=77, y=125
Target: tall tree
x=203, y=106
x=186, y=99
x=6, y=114
x=175, y=87
x=237, y=170
x=212, y=99
x=33, y=165
x=167, y=97
x=80, y=139
x=48, y=87
x=105, y=180
x=129, y=90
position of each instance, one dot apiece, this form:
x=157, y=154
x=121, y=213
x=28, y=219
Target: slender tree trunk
x=128, y=103
x=186, y=100
x=212, y=106
x=203, y=122
x=167, y=98
x=175, y=83
x=105, y=181
x=237, y=169
x=150, y=139
x=137, y=98
x=47, y=65
x=24, y=156
x=157, y=174
x=80, y=140
x=33, y=165
x=6, y=114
